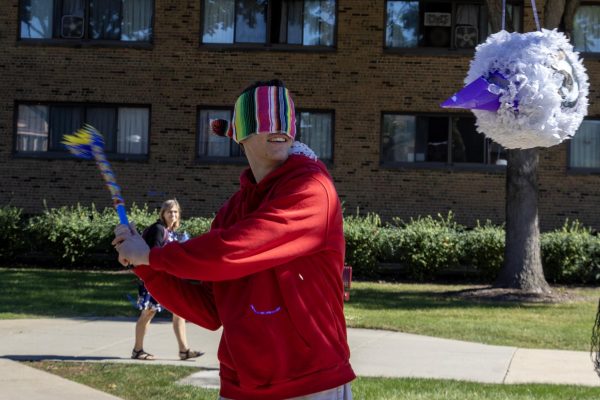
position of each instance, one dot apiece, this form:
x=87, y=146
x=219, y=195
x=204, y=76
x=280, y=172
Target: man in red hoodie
x=270, y=267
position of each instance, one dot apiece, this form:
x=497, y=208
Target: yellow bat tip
x=81, y=137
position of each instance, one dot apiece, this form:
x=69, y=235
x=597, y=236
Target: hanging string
x=503, y=14
x=535, y=15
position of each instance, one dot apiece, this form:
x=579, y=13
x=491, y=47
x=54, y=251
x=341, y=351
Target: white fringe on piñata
x=545, y=98
x=299, y=148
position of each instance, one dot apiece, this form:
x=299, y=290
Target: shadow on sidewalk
x=54, y=357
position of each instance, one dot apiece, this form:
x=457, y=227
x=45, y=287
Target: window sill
x=60, y=155
x=429, y=51
x=583, y=171
x=79, y=43
x=590, y=55
x=266, y=47
x=221, y=161
x=462, y=167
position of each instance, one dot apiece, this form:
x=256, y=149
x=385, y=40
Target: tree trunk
x=495, y=16
x=570, y=9
x=522, y=260
x=553, y=13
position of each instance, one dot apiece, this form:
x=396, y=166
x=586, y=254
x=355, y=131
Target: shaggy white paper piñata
x=540, y=83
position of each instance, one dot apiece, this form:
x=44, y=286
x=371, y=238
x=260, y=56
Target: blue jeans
x=343, y=392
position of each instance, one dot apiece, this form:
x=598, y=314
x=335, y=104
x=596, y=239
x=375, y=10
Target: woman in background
x=158, y=234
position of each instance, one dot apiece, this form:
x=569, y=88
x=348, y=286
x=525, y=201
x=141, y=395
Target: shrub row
x=422, y=248
x=73, y=237
x=427, y=247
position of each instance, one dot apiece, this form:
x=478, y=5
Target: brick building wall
x=358, y=81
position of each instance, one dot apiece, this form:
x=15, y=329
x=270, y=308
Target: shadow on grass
x=62, y=293
x=66, y=293
x=372, y=299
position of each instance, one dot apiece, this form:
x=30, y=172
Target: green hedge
x=364, y=242
x=483, y=249
x=422, y=248
x=12, y=238
x=428, y=245
x=571, y=254
x=81, y=236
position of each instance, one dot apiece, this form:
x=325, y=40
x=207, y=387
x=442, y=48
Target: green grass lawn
x=157, y=382
x=35, y=293
x=432, y=310
x=412, y=308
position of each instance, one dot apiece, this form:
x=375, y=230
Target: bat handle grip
x=122, y=214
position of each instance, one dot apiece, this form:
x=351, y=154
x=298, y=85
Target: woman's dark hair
x=272, y=82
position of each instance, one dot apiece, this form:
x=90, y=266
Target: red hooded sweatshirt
x=271, y=272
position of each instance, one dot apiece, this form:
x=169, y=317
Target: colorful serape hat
x=263, y=109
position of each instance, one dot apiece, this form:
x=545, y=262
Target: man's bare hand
x=132, y=248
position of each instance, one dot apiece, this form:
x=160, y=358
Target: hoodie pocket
x=265, y=346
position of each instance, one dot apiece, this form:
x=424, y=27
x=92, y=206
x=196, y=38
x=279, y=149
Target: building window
x=290, y=22
x=315, y=129
x=441, y=23
x=213, y=146
x=437, y=139
x=107, y=20
x=586, y=29
x=584, y=147
x=40, y=127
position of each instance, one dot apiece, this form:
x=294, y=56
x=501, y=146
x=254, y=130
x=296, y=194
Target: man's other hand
x=132, y=248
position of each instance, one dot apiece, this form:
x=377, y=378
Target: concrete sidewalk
x=374, y=353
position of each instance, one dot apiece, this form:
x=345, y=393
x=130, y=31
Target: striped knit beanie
x=263, y=109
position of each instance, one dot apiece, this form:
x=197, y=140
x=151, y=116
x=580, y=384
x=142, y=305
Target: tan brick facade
x=358, y=80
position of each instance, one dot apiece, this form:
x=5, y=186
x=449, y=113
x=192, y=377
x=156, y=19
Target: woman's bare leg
x=180, y=334
x=141, y=327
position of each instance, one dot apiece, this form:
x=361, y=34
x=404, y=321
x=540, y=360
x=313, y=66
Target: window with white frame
x=436, y=139
x=213, y=146
x=441, y=23
x=584, y=147
x=315, y=129
x=586, y=28
x=106, y=20
x=40, y=127
x=290, y=22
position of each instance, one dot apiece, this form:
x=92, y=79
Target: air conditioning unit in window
x=465, y=36
x=437, y=19
x=71, y=27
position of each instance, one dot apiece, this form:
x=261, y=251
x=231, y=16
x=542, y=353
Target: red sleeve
x=217, y=220
x=192, y=301
x=293, y=223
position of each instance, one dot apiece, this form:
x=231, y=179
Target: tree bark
x=557, y=11
x=553, y=13
x=570, y=9
x=522, y=260
x=495, y=16
x=494, y=11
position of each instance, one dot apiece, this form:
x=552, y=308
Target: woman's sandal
x=141, y=355
x=186, y=355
